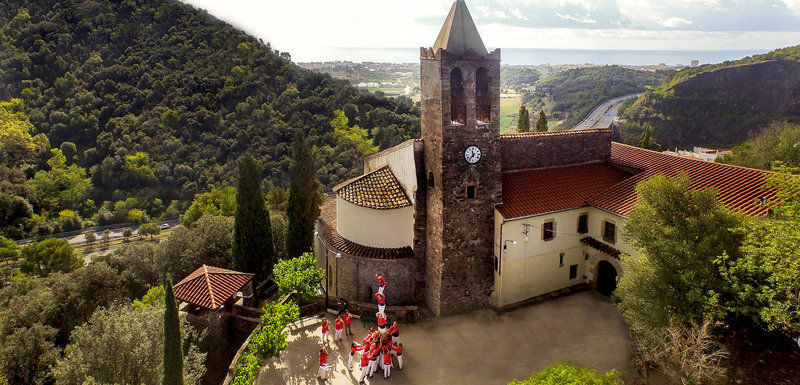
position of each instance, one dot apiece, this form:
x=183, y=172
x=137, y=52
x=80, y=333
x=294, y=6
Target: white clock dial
x=472, y=154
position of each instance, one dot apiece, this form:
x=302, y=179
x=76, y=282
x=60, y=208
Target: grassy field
x=509, y=107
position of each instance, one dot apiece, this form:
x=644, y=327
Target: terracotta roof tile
x=551, y=189
x=739, y=188
x=336, y=241
x=378, y=190
x=209, y=287
x=521, y=135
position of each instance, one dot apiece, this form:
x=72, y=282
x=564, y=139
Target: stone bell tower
x=460, y=84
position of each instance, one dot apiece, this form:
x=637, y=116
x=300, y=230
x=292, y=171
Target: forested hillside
x=571, y=95
x=148, y=102
x=719, y=104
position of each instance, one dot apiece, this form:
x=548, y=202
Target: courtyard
x=478, y=347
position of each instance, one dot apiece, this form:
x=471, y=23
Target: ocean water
x=534, y=56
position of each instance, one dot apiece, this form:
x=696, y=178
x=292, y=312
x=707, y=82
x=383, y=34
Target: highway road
x=603, y=115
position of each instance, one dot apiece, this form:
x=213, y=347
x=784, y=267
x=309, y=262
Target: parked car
x=164, y=226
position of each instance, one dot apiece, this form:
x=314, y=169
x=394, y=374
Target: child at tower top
x=381, y=283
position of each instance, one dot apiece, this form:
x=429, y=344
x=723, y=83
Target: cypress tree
x=253, y=249
x=523, y=120
x=304, y=199
x=173, y=351
x=645, y=138
x=541, y=123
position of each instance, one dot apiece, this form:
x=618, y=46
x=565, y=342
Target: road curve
x=603, y=115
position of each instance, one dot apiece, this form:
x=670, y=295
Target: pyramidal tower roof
x=459, y=34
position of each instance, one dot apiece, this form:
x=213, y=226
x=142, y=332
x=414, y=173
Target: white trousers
x=338, y=335
x=364, y=373
x=322, y=372
x=381, y=308
x=325, y=337
x=400, y=362
x=387, y=371
x=350, y=361
x=373, y=366
x=380, y=289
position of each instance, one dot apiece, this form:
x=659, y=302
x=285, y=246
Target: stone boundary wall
x=559, y=148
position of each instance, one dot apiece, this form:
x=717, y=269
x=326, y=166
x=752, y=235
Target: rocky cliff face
x=722, y=107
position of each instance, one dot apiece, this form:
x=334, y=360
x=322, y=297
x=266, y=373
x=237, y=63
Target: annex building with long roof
x=465, y=217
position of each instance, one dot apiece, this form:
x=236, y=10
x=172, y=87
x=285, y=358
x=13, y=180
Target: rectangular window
x=470, y=192
x=573, y=271
x=583, y=224
x=561, y=260
x=548, y=230
x=609, y=232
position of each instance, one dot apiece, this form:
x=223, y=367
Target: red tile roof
x=378, y=190
x=738, y=188
x=335, y=241
x=603, y=185
x=521, y=135
x=551, y=189
x=209, y=287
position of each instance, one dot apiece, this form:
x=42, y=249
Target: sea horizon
x=533, y=56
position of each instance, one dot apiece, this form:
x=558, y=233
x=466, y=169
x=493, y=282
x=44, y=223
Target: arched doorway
x=606, y=278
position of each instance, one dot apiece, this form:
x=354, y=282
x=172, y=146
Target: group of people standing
x=378, y=347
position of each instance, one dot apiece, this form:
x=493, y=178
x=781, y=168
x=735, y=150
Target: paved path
x=474, y=348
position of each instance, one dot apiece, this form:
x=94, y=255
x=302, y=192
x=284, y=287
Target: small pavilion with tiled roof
x=211, y=288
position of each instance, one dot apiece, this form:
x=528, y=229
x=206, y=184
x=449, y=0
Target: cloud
x=673, y=22
x=586, y=19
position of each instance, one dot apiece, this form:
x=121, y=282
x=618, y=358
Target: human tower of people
x=378, y=347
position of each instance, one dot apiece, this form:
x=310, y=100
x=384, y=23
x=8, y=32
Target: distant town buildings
x=695, y=63
x=706, y=154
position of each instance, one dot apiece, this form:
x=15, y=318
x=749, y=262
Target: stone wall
x=353, y=278
x=534, y=150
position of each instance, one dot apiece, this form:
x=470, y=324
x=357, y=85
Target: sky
x=312, y=30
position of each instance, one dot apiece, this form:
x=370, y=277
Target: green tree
x=63, y=187
x=17, y=145
x=304, y=199
x=127, y=233
x=645, y=138
x=90, y=238
x=154, y=298
x=49, y=256
x=173, y=352
x=219, y=201
x=208, y=241
x=9, y=250
x=570, y=374
x=775, y=143
x=301, y=274
x=150, y=229
x=523, y=120
x=27, y=354
x=765, y=277
x=271, y=339
x=541, y=122
x=354, y=136
x=106, y=237
x=678, y=232
x=253, y=249
x=123, y=345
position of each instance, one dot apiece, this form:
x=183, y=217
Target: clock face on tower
x=472, y=154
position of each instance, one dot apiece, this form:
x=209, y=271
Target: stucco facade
x=378, y=228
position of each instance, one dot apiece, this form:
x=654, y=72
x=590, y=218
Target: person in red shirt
x=324, y=330
x=387, y=363
x=364, y=364
x=373, y=359
x=354, y=347
x=339, y=327
x=381, y=322
x=394, y=331
x=381, y=283
x=398, y=350
x=323, y=363
x=347, y=320
x=381, y=302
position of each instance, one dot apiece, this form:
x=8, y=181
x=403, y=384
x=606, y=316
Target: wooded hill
x=571, y=95
x=721, y=104
x=161, y=99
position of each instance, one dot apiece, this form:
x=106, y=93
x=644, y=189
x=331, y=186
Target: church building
x=466, y=217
